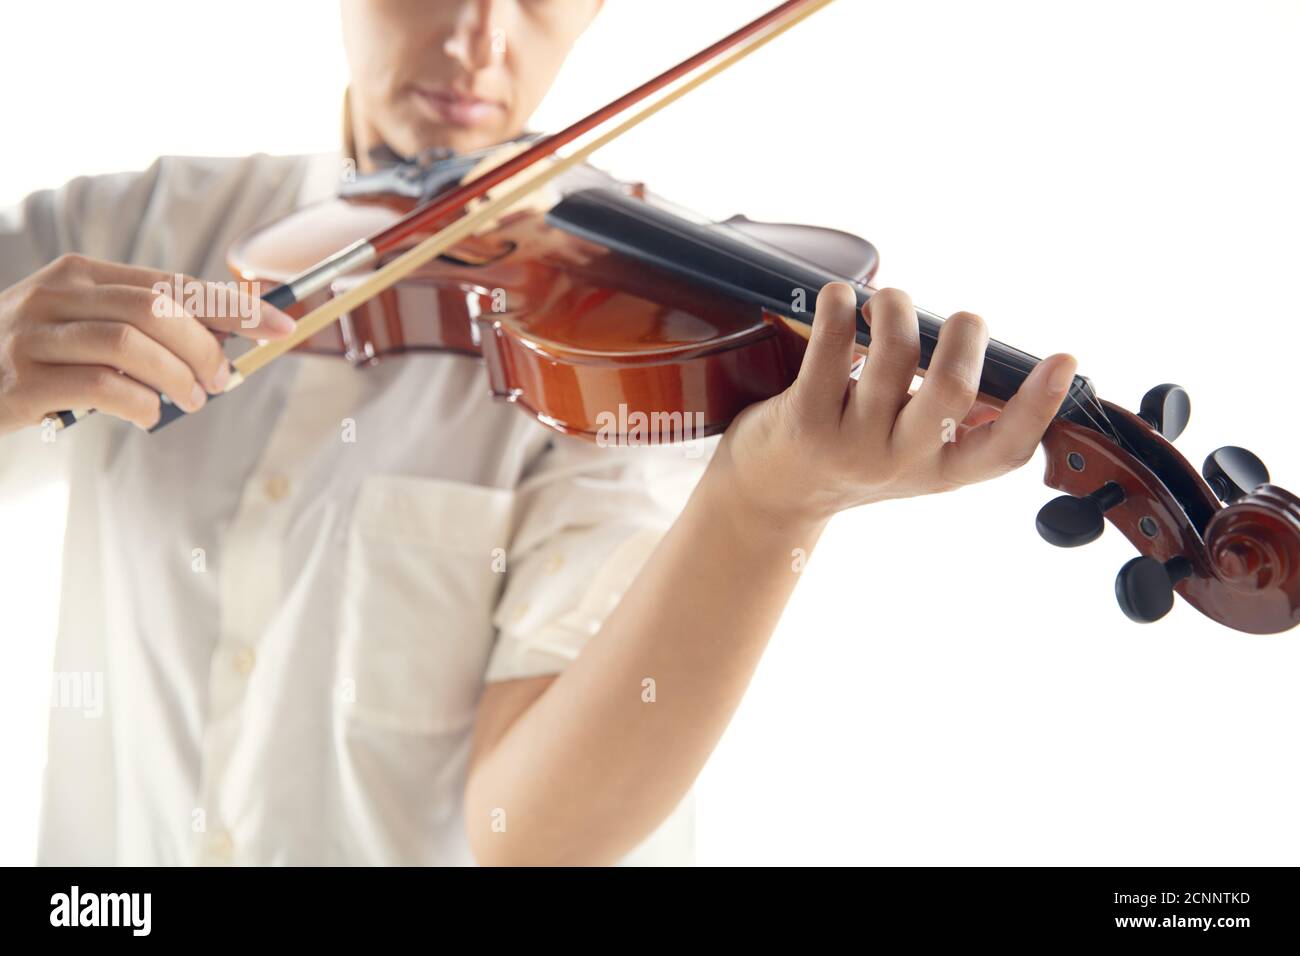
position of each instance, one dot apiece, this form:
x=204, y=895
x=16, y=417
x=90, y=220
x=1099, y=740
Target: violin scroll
x=1227, y=542
x=1253, y=545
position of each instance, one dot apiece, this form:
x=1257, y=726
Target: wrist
x=753, y=523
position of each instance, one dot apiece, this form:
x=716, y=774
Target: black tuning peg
x=1068, y=521
x=1167, y=409
x=1145, y=587
x=1233, y=472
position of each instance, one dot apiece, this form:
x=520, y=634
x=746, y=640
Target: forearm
x=593, y=766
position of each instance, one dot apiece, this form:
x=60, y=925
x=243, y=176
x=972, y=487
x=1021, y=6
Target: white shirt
x=293, y=630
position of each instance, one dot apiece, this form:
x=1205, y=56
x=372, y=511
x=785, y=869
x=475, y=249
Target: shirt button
x=243, y=659
x=220, y=846
x=554, y=563
x=276, y=487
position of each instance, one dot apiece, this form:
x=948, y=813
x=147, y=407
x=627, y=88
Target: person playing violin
x=375, y=617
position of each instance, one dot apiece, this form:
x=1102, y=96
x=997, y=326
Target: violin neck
x=745, y=269
x=1005, y=367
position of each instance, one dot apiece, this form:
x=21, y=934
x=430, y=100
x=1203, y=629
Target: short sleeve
x=98, y=216
x=589, y=517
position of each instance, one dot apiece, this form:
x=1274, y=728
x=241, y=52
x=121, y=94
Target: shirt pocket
x=421, y=579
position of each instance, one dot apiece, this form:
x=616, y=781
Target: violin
x=609, y=314
x=612, y=301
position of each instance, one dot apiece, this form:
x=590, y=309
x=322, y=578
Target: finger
x=121, y=346
x=823, y=378
x=99, y=272
x=231, y=308
x=979, y=414
x=1008, y=442
x=235, y=310
x=228, y=307
x=892, y=358
x=159, y=317
x=947, y=393
x=99, y=387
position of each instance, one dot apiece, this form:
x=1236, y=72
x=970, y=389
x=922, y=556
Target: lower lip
x=460, y=112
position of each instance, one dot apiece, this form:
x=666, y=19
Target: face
x=453, y=73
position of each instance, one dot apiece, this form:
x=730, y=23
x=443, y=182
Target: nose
x=476, y=39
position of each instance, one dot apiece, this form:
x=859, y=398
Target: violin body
x=590, y=342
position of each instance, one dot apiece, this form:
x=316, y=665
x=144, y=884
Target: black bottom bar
x=1227, y=907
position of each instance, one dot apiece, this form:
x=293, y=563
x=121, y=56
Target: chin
x=417, y=137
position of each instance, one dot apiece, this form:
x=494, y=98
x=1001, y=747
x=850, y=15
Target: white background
x=1113, y=179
